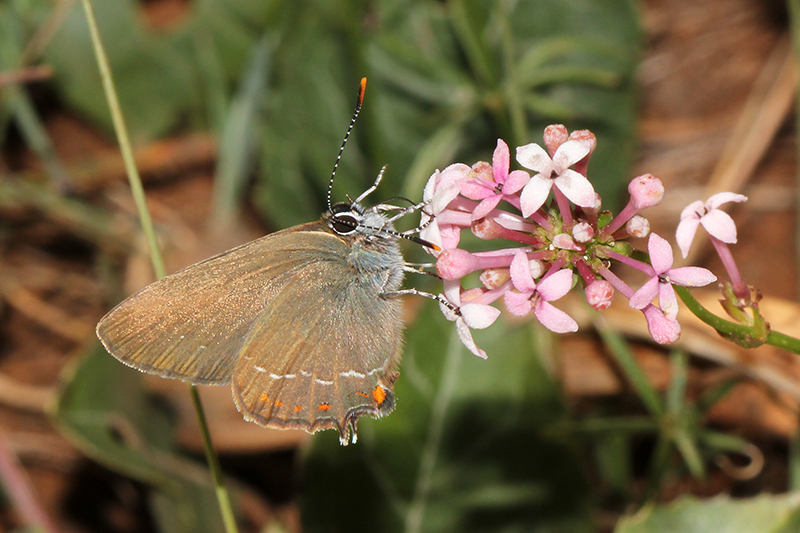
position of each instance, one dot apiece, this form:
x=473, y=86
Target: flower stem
x=155, y=255
x=732, y=330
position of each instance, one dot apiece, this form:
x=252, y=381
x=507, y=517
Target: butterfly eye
x=344, y=220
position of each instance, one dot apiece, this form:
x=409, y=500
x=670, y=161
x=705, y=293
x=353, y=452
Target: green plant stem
x=223, y=498
x=124, y=143
x=155, y=255
x=773, y=338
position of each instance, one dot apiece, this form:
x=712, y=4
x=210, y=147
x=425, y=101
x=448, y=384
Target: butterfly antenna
x=360, y=100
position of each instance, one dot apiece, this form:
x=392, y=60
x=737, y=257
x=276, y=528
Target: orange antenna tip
x=361, y=91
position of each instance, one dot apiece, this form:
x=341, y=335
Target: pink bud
x=483, y=170
x=599, y=294
x=588, y=139
x=454, y=264
x=584, y=137
x=554, y=136
x=646, y=191
x=662, y=329
x=638, y=226
x=583, y=232
x=494, y=278
x=486, y=228
x=565, y=241
x=471, y=294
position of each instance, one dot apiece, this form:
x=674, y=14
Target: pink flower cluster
x=567, y=242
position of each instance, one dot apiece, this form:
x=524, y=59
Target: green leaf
x=764, y=514
x=465, y=449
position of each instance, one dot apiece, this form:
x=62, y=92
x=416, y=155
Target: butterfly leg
x=374, y=186
x=438, y=297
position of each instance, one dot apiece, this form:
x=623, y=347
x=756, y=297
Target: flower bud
x=583, y=232
x=646, y=191
x=599, y=294
x=638, y=226
x=554, y=136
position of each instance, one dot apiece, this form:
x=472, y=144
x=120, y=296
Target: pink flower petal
x=430, y=186
x=575, y=187
x=534, y=194
x=660, y=253
x=568, y=154
x=719, y=224
x=479, y=316
x=486, y=206
x=645, y=295
x=667, y=300
x=554, y=318
x=432, y=234
x=535, y=157
x=451, y=236
x=477, y=189
x=445, y=193
x=694, y=210
x=555, y=285
x=452, y=292
x=520, y=271
x=500, y=161
x=691, y=276
x=685, y=233
x=465, y=335
x=518, y=304
x=723, y=198
x=516, y=181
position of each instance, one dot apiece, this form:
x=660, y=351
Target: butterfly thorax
x=374, y=253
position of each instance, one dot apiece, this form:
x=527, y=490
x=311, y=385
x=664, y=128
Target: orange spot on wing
x=379, y=394
x=298, y=408
x=324, y=406
x=362, y=394
x=264, y=398
x=278, y=403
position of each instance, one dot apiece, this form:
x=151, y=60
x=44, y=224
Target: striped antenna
x=360, y=100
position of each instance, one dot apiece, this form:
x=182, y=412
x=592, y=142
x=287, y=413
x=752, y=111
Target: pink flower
x=717, y=223
x=663, y=276
x=441, y=189
x=556, y=172
x=536, y=298
x=467, y=315
x=503, y=185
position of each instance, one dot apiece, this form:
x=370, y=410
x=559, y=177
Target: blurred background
x=236, y=109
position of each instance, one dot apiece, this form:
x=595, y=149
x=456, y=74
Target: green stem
x=223, y=498
x=155, y=255
x=730, y=329
x=124, y=143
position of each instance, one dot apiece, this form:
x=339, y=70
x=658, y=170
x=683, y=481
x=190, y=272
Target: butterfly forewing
x=190, y=325
x=324, y=352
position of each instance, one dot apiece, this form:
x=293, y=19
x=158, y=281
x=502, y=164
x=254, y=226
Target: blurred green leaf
x=103, y=409
x=446, y=80
x=156, y=73
x=463, y=451
x=764, y=514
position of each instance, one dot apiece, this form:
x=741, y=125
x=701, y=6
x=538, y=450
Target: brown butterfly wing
x=324, y=352
x=190, y=325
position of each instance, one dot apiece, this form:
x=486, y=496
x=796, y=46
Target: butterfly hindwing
x=324, y=352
